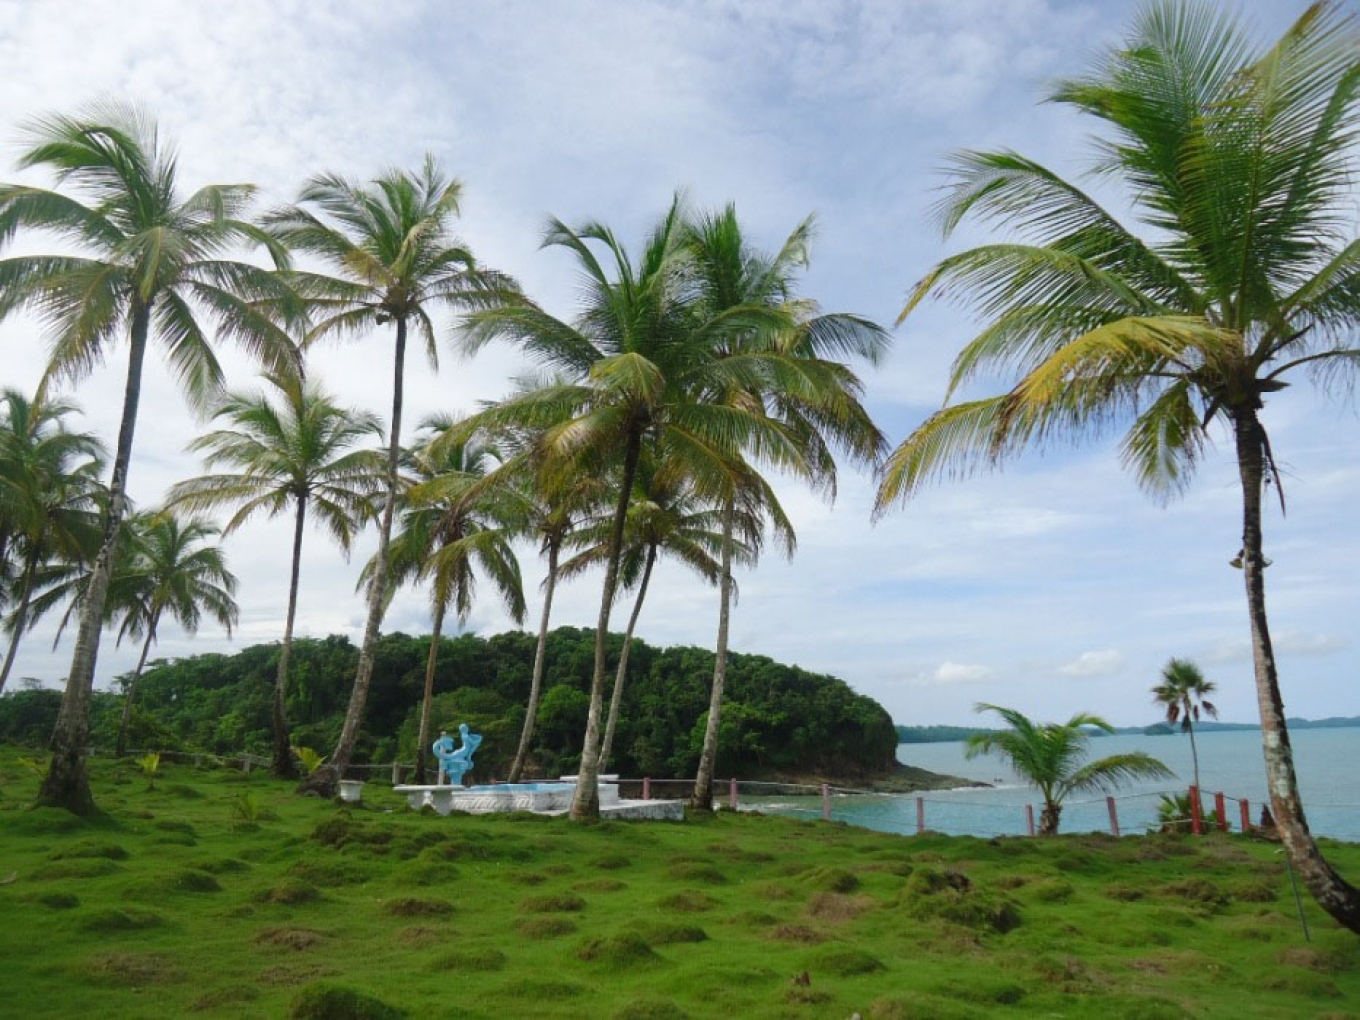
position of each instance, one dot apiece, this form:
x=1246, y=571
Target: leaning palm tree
x=1052, y=756
x=49, y=501
x=173, y=573
x=1184, y=694
x=293, y=449
x=390, y=244
x=452, y=530
x=823, y=412
x=665, y=517
x=640, y=366
x=1241, y=162
x=151, y=264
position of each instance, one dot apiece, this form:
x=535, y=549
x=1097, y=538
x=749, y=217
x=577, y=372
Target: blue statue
x=455, y=763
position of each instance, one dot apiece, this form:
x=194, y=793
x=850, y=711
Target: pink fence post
x=1029, y=818
x=1196, y=817
x=1221, y=809
x=920, y=815
x=826, y=803
x=1114, y=816
x=647, y=788
x=1246, y=815
x=732, y=794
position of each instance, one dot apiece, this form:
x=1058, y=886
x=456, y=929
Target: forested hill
x=777, y=719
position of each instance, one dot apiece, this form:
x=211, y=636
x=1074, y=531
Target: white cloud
x=1102, y=663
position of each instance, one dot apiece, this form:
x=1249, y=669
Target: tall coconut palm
x=450, y=532
x=823, y=412
x=151, y=267
x=49, y=500
x=1184, y=693
x=664, y=518
x=1241, y=162
x=292, y=448
x=389, y=243
x=173, y=573
x=1052, y=756
x=640, y=366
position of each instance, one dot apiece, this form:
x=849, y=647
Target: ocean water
x=1327, y=762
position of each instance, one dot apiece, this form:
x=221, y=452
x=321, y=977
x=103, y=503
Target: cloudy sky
x=1054, y=586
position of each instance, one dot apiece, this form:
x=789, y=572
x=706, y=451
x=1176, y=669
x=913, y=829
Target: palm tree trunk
x=708, y=757
x=326, y=779
x=67, y=784
x=1194, y=752
x=121, y=748
x=585, y=803
x=282, y=765
x=526, y=735
x=423, y=731
x=622, y=672
x=1332, y=892
x=1049, y=818
x=20, y=617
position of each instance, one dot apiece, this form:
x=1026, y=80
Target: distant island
x=947, y=734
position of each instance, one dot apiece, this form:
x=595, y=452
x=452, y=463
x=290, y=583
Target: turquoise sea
x=1327, y=761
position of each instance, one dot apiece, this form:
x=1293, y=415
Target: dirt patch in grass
x=835, y=908
x=409, y=906
x=920, y=1006
x=221, y=998
x=132, y=970
x=296, y=974
x=798, y=933
x=544, y=927
x=526, y=877
x=687, y=901
x=650, y=1009
x=611, y=862
x=560, y=903
x=290, y=893
x=667, y=934
x=420, y=935
x=601, y=885
x=480, y=960
x=296, y=939
x=801, y=995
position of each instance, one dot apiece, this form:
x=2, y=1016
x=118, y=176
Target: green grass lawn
x=176, y=903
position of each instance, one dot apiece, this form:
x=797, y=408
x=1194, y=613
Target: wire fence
x=961, y=814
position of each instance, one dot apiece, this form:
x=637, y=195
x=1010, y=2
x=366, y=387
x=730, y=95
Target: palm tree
x=49, y=500
x=389, y=241
x=1241, y=162
x=172, y=572
x=292, y=449
x=821, y=411
x=640, y=365
x=1052, y=756
x=665, y=516
x=555, y=506
x=1184, y=692
x=153, y=260
x=449, y=532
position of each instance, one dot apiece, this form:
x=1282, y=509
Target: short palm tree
x=640, y=366
x=291, y=449
x=49, y=501
x=449, y=533
x=1052, y=756
x=1241, y=163
x=173, y=572
x=1184, y=693
x=389, y=244
x=151, y=266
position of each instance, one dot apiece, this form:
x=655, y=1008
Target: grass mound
x=617, y=952
x=484, y=959
x=322, y=1001
x=544, y=927
x=560, y=903
x=410, y=906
